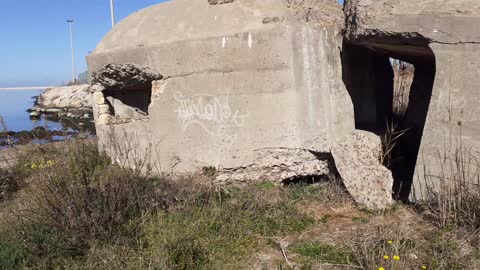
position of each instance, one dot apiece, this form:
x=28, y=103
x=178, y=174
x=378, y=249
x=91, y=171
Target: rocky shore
x=68, y=101
x=69, y=105
x=38, y=134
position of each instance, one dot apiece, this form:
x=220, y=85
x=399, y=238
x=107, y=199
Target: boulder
x=357, y=160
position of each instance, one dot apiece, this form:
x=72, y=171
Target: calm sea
x=14, y=106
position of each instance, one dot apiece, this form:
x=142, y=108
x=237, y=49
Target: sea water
x=13, y=109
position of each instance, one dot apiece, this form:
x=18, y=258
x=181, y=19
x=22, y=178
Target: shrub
x=78, y=197
x=8, y=183
x=83, y=212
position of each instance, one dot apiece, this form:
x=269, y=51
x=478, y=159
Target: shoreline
x=63, y=102
x=69, y=106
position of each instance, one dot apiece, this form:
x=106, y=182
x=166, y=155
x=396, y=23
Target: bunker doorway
x=130, y=102
x=390, y=85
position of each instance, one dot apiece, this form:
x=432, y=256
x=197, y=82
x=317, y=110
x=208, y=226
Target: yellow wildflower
x=33, y=166
x=381, y=268
x=390, y=242
x=424, y=267
x=386, y=257
x=396, y=258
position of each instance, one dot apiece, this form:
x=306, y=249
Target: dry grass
x=389, y=142
x=452, y=200
x=78, y=207
x=80, y=211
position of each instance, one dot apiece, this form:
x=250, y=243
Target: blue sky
x=34, y=37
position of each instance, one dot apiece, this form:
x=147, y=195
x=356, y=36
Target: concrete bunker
x=261, y=100
x=373, y=74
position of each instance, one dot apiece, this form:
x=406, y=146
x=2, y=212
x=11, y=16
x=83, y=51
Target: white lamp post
x=74, y=78
x=112, y=13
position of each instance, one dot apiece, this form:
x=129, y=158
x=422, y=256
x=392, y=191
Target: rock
x=76, y=96
x=278, y=165
x=63, y=101
x=34, y=115
x=52, y=110
x=366, y=179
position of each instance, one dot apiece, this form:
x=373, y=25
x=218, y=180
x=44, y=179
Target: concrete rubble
x=357, y=161
x=279, y=166
x=276, y=90
x=117, y=76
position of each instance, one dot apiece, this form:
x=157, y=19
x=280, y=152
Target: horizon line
x=26, y=88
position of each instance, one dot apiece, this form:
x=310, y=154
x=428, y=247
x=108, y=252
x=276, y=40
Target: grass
x=386, y=247
x=322, y=252
x=75, y=209
x=79, y=210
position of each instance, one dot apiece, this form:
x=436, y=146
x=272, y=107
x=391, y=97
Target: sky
x=35, y=41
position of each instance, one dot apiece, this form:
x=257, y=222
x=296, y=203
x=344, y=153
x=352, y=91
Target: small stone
x=35, y=115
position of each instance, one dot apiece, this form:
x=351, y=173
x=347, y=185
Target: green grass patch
x=313, y=251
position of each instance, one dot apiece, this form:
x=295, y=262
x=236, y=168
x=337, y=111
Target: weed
x=266, y=185
x=361, y=219
x=324, y=253
x=453, y=199
x=11, y=256
x=8, y=183
x=325, y=218
x=209, y=171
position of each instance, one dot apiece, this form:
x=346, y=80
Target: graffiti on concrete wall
x=212, y=113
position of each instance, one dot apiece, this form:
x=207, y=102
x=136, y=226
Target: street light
x=112, y=13
x=70, y=22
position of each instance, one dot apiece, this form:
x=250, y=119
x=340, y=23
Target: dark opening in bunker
x=131, y=102
x=388, y=101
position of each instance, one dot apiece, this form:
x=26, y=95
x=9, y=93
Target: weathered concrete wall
x=448, y=29
x=278, y=87
x=242, y=83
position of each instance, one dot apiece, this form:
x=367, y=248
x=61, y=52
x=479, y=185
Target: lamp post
x=112, y=13
x=70, y=22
